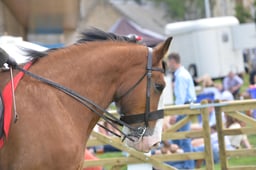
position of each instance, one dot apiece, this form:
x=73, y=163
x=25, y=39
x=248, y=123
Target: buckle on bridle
x=137, y=134
x=140, y=131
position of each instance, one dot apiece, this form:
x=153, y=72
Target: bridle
x=147, y=116
x=124, y=120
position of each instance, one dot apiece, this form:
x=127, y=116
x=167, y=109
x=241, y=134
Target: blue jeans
x=110, y=148
x=215, y=152
x=177, y=164
x=185, y=144
x=254, y=114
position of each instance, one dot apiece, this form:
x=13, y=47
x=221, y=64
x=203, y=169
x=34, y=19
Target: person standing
x=252, y=75
x=184, y=93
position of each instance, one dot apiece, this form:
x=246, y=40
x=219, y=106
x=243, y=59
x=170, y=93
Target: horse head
x=138, y=88
x=137, y=99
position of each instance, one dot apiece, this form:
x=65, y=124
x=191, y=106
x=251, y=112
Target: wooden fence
x=235, y=109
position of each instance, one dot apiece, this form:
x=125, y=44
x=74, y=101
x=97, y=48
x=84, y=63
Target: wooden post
x=207, y=138
x=222, y=147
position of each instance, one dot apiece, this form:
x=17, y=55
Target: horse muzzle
x=145, y=139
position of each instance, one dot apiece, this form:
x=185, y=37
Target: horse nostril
x=156, y=145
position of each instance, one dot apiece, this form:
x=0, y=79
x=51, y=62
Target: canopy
x=127, y=27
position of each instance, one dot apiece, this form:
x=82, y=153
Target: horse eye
x=159, y=87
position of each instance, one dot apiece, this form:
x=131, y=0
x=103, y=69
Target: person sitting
x=215, y=146
x=237, y=141
x=227, y=96
x=168, y=147
x=251, y=94
x=209, y=86
x=232, y=83
x=199, y=124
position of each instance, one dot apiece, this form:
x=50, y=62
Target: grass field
x=252, y=138
x=232, y=161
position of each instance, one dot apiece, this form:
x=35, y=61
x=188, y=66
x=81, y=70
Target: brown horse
x=53, y=128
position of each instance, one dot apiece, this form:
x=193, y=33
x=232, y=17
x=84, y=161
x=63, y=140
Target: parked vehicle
x=211, y=45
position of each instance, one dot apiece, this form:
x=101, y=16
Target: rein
x=125, y=120
x=83, y=100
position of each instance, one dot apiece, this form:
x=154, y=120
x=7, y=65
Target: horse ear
x=162, y=48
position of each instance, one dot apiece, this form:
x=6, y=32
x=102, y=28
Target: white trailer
x=209, y=46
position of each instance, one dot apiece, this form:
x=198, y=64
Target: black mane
x=95, y=34
x=92, y=34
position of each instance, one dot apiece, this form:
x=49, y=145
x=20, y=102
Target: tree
x=254, y=4
x=183, y=10
x=242, y=14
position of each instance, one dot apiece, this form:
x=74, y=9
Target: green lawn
x=112, y=155
x=235, y=161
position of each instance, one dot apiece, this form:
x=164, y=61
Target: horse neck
x=106, y=67
x=102, y=73
x=93, y=70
